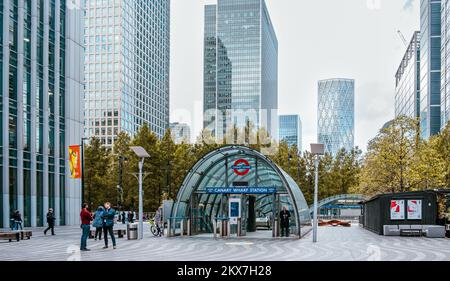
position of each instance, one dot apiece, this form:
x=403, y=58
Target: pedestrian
x=284, y=221
x=108, y=224
x=123, y=217
x=86, y=218
x=51, y=222
x=17, y=220
x=98, y=222
x=131, y=220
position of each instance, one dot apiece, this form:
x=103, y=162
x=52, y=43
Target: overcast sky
x=317, y=40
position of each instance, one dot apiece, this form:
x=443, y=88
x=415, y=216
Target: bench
x=10, y=236
x=120, y=233
x=411, y=232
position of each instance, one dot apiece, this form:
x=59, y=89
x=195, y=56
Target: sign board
x=241, y=190
x=241, y=167
x=75, y=161
x=234, y=210
x=414, y=209
x=397, y=209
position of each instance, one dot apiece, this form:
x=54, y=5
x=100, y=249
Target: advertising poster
x=397, y=209
x=414, y=209
x=234, y=210
x=75, y=162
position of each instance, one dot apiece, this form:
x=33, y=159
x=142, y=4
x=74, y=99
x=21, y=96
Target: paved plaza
x=335, y=244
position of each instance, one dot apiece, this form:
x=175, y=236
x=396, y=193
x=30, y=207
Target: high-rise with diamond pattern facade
x=336, y=114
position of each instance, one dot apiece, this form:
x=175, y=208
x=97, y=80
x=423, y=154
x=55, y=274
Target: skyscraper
x=127, y=67
x=407, y=81
x=181, y=133
x=336, y=114
x=240, y=67
x=430, y=70
x=290, y=128
x=445, y=54
x=41, y=52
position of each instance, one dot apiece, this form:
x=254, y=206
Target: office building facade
x=336, y=114
x=240, y=67
x=407, y=81
x=445, y=55
x=290, y=130
x=41, y=92
x=126, y=67
x=430, y=70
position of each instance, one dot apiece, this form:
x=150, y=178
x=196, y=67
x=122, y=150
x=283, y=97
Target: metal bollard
x=189, y=227
x=238, y=231
x=228, y=225
x=182, y=227
x=215, y=228
x=168, y=228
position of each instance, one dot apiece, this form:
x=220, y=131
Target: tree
x=442, y=146
x=98, y=184
x=391, y=156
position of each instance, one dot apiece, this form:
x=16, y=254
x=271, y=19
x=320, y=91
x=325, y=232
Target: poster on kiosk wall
x=397, y=209
x=414, y=209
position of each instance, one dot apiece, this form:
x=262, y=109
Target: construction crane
x=402, y=37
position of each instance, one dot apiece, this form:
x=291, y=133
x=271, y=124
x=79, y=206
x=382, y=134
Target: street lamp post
x=316, y=150
x=141, y=153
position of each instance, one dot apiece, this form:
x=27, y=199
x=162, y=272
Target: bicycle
x=156, y=230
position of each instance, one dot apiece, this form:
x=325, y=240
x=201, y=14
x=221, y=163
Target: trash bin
x=132, y=231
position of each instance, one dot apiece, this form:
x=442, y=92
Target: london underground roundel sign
x=241, y=167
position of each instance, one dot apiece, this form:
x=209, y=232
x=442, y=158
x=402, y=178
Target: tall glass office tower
x=430, y=70
x=290, y=128
x=407, y=81
x=445, y=54
x=126, y=67
x=240, y=67
x=41, y=50
x=336, y=114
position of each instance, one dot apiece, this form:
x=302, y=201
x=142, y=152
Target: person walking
x=86, y=218
x=108, y=224
x=50, y=221
x=123, y=217
x=98, y=222
x=17, y=217
x=284, y=221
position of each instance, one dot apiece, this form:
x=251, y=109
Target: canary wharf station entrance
x=236, y=191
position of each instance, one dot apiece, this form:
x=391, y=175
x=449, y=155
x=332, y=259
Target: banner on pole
x=75, y=161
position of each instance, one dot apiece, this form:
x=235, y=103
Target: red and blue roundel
x=241, y=167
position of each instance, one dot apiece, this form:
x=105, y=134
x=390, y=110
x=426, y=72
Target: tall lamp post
x=141, y=153
x=317, y=150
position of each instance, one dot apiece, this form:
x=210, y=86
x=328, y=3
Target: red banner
x=75, y=161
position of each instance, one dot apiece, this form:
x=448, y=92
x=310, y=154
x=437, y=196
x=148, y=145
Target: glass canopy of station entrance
x=236, y=191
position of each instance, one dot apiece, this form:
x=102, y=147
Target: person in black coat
x=50, y=221
x=284, y=222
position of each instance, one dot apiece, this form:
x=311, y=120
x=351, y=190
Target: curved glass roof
x=216, y=170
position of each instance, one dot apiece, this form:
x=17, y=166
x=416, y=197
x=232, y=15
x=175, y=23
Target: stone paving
x=335, y=244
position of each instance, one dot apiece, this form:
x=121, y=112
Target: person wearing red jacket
x=86, y=218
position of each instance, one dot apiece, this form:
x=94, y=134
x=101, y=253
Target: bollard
x=189, y=227
x=168, y=228
x=228, y=225
x=182, y=227
x=215, y=228
x=238, y=231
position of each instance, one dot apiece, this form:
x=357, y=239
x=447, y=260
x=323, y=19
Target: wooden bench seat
x=10, y=236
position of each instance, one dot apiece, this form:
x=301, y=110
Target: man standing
x=123, y=217
x=86, y=218
x=50, y=221
x=284, y=221
x=108, y=224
